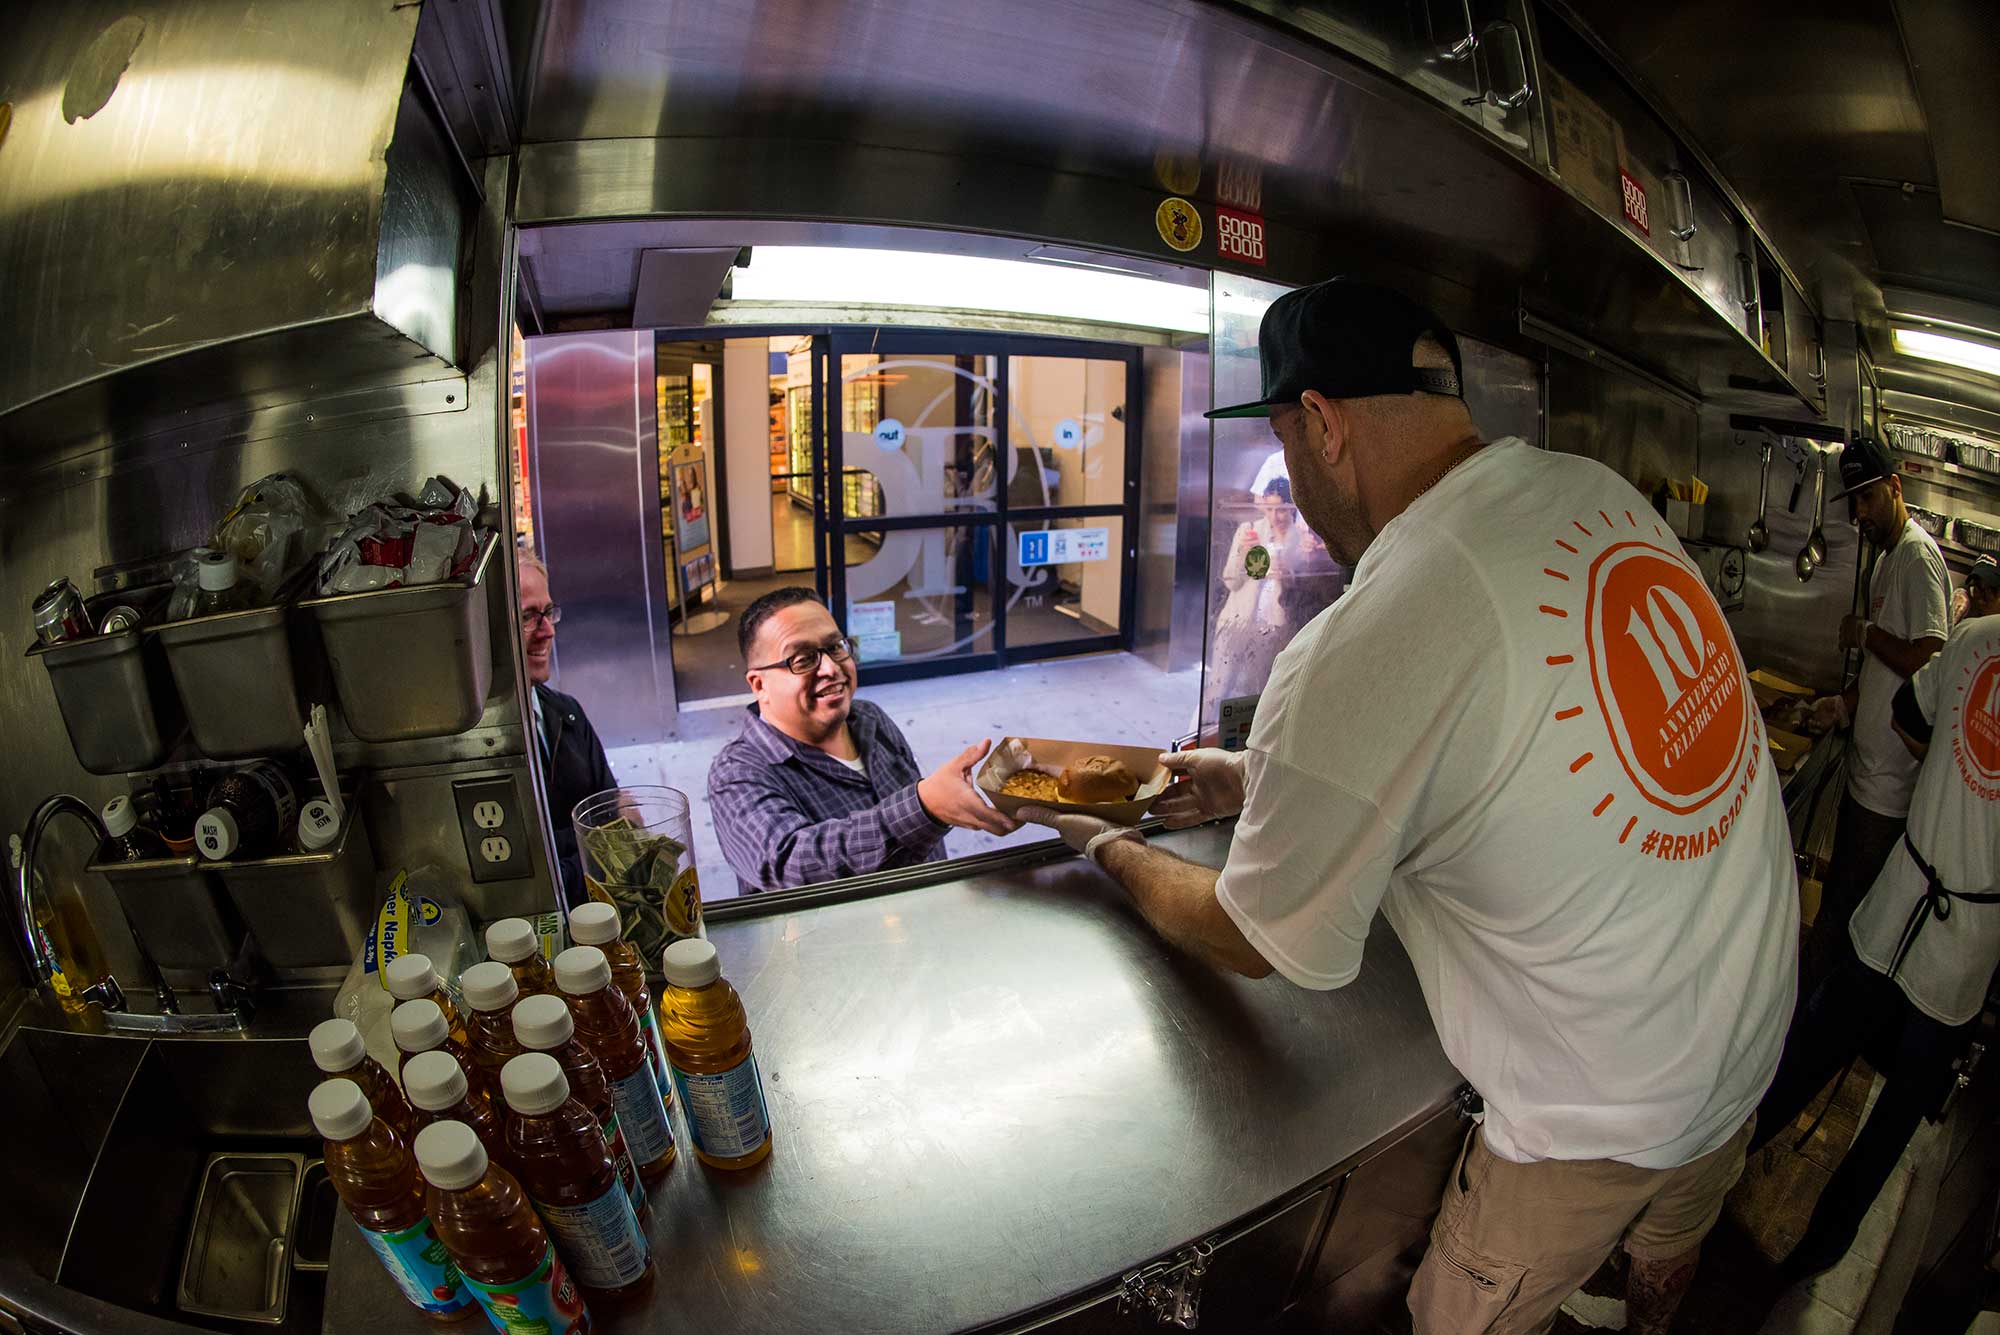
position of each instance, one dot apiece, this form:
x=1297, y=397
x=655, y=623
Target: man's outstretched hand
x=949, y=794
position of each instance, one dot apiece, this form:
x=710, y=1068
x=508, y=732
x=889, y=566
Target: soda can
x=59, y=613
x=122, y=617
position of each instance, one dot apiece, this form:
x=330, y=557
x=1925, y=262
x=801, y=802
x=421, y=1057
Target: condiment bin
x=309, y=910
x=411, y=662
x=235, y=677
x=236, y=1263
x=174, y=906
x=116, y=697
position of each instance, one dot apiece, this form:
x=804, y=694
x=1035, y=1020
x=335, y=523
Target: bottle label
x=643, y=1115
x=543, y=1303
x=725, y=1109
x=656, y=1054
x=601, y=1239
x=277, y=785
x=421, y=1267
x=621, y=1158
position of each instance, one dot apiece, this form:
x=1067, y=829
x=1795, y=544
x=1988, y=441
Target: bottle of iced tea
x=439, y=1092
x=605, y=1022
x=544, y=1024
x=490, y=993
x=419, y=1026
x=485, y=1222
x=515, y=943
x=376, y=1179
x=340, y=1054
x=569, y=1175
x=708, y=1045
x=415, y=978
x=597, y=924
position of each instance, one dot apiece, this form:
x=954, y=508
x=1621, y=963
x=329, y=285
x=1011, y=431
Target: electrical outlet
x=493, y=823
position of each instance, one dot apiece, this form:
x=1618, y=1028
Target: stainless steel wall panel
x=156, y=479
x=1625, y=425
x=1784, y=625
x=1188, y=639
x=172, y=211
x=594, y=468
x=1160, y=448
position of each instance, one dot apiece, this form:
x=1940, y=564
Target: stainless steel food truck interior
x=919, y=304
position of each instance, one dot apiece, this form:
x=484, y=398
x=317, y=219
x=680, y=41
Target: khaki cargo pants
x=1515, y=1239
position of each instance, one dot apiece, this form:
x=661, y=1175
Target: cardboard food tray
x=1045, y=751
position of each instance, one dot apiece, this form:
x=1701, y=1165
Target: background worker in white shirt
x=1982, y=589
x=1909, y=615
x=1525, y=734
x=1922, y=947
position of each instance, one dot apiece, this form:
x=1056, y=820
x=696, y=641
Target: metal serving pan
x=411, y=662
x=234, y=674
x=238, y=1261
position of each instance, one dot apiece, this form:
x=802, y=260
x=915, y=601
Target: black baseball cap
x=1863, y=460
x=1347, y=339
x=1985, y=572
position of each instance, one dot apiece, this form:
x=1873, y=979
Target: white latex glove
x=1209, y=784
x=1086, y=834
x=1830, y=712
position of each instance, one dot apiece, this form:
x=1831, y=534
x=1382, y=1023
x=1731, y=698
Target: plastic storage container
x=410, y=662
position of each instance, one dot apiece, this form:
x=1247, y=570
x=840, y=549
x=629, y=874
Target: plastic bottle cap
x=581, y=970
x=543, y=1022
x=215, y=834
x=216, y=571
x=119, y=817
x=690, y=963
x=418, y=1026
x=318, y=827
x=511, y=940
x=339, y=1109
x=488, y=987
x=411, y=977
x=336, y=1046
x=594, y=924
x=433, y=1081
x=450, y=1155
x=534, y=1083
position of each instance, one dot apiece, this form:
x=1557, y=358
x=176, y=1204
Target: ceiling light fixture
x=838, y=275
x=1960, y=352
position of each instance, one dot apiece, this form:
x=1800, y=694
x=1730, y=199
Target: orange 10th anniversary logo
x=1977, y=748
x=1674, y=756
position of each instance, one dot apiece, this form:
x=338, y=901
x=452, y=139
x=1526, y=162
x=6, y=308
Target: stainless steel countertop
x=992, y=1093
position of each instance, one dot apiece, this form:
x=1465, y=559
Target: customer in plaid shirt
x=819, y=784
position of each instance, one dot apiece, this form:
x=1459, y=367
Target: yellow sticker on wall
x=1178, y=172
x=1179, y=223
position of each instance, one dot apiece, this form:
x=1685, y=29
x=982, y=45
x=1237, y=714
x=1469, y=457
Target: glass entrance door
x=980, y=490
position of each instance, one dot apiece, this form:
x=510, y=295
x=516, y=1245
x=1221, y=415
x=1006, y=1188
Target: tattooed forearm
x=1653, y=1292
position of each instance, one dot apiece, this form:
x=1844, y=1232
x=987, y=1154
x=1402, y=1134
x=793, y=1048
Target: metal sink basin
x=124, y=1132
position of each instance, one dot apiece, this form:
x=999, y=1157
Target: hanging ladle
x=1760, y=532
x=1813, y=554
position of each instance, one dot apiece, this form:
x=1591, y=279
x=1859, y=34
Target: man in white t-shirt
x=1909, y=615
x=1921, y=949
x=1526, y=735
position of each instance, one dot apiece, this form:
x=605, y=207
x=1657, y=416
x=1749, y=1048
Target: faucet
x=41, y=955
